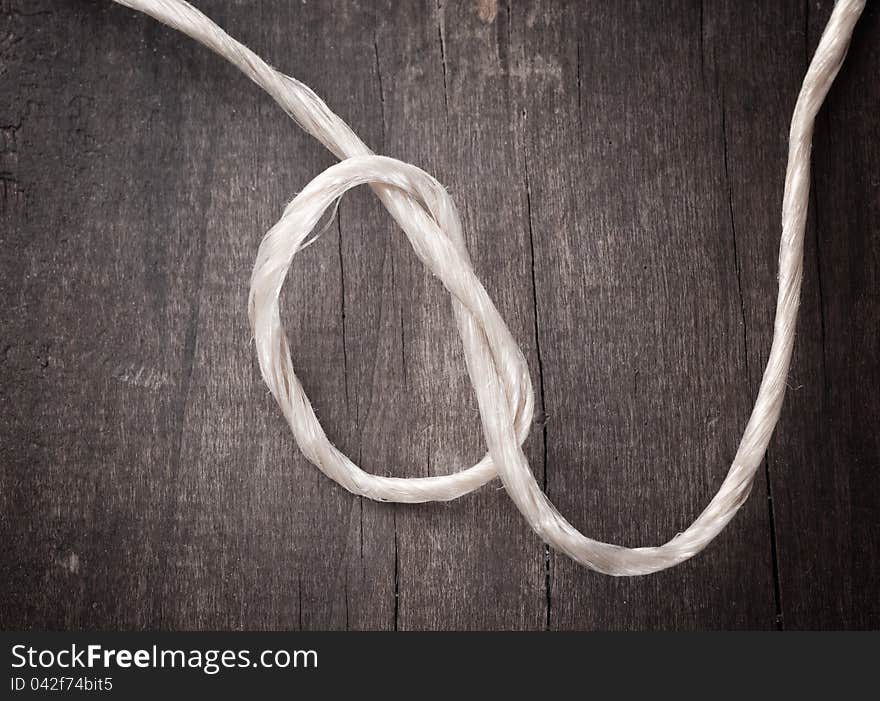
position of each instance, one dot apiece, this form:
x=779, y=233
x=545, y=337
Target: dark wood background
x=619, y=171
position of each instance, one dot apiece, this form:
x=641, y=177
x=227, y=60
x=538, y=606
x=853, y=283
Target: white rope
x=495, y=363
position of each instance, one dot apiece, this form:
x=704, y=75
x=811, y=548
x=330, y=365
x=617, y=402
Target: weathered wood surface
x=619, y=171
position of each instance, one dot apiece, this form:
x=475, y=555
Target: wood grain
x=618, y=167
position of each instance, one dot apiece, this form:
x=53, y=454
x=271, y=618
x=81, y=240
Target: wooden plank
x=825, y=477
x=263, y=540
x=471, y=563
x=103, y=270
x=639, y=308
x=243, y=497
x=757, y=106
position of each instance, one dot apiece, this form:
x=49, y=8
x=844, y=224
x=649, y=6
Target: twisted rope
x=496, y=365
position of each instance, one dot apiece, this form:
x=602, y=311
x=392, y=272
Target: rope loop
x=435, y=234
